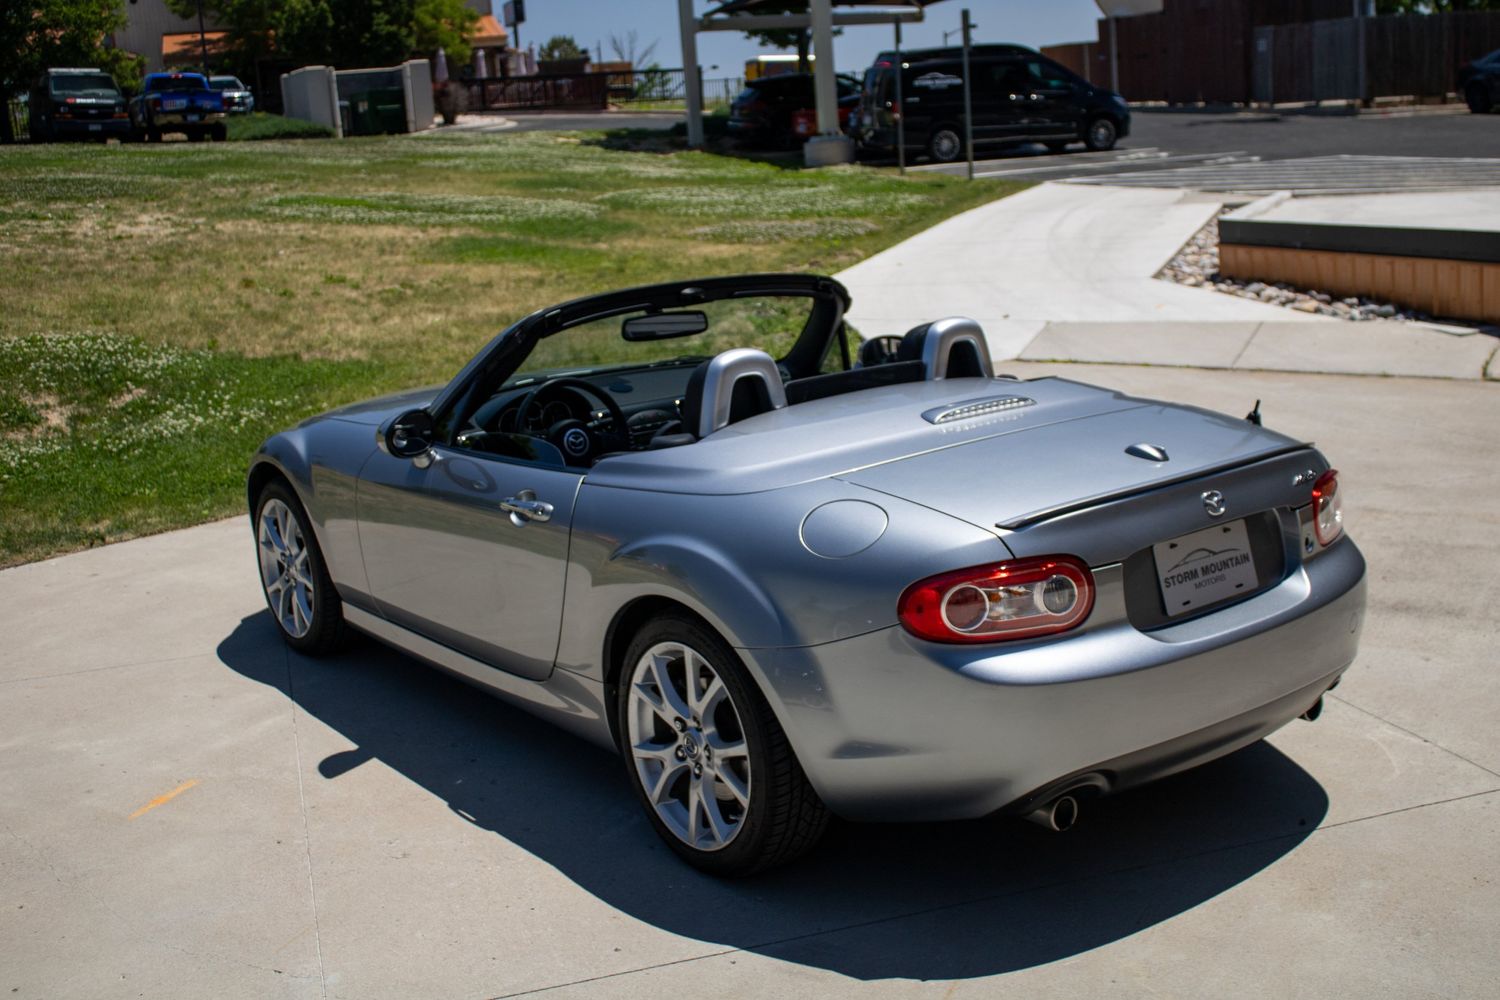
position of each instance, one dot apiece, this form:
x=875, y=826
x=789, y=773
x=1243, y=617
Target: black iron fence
x=20, y=119
x=638, y=90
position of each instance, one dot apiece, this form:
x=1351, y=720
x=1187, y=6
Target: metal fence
x=20, y=119
x=639, y=90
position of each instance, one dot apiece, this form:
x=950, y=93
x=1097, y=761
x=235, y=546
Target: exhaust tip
x=1315, y=711
x=1058, y=815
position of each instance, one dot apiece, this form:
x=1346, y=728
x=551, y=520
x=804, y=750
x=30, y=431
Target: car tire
x=293, y=575
x=712, y=769
x=1477, y=97
x=219, y=133
x=945, y=144
x=153, y=134
x=1100, y=134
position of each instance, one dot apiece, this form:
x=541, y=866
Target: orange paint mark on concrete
x=164, y=799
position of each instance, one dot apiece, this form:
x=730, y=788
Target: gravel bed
x=1197, y=264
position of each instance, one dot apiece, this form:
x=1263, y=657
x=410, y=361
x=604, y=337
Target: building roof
x=754, y=6
x=489, y=33
x=185, y=49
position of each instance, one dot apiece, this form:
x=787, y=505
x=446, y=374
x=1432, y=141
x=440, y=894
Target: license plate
x=1204, y=567
x=173, y=105
x=192, y=118
x=96, y=128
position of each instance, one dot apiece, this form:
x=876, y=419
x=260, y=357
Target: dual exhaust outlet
x=1061, y=813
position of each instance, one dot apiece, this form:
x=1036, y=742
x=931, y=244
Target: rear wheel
x=1477, y=96
x=945, y=144
x=706, y=756
x=1100, y=135
x=219, y=133
x=293, y=576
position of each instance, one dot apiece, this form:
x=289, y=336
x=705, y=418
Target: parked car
x=792, y=583
x=1017, y=96
x=805, y=120
x=79, y=103
x=178, y=102
x=1480, y=83
x=237, y=97
x=765, y=113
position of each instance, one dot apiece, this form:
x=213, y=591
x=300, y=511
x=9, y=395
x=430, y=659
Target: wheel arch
x=622, y=630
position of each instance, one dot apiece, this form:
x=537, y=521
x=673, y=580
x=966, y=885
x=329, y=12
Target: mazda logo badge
x=1213, y=502
x=576, y=442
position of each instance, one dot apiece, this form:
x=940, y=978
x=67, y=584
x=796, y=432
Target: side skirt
x=565, y=699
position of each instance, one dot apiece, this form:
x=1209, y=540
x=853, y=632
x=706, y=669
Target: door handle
x=526, y=507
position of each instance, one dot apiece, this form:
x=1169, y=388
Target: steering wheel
x=578, y=442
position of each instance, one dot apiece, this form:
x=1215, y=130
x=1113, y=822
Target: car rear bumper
x=888, y=726
x=187, y=119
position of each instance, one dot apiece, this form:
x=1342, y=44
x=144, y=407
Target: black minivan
x=77, y=104
x=1017, y=95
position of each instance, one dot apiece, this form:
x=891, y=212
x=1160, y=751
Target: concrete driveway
x=191, y=811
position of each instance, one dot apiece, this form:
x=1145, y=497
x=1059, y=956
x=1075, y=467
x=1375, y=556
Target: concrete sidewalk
x=192, y=811
x=1066, y=272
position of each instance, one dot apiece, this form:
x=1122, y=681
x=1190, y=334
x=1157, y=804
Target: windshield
x=84, y=85
x=225, y=83
x=770, y=323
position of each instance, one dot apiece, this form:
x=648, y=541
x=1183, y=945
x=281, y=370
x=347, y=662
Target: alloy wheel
x=1102, y=134
x=945, y=146
x=285, y=568
x=688, y=747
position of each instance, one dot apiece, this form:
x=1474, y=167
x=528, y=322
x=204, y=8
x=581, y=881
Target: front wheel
x=219, y=133
x=1101, y=135
x=945, y=144
x=706, y=756
x=1477, y=96
x=293, y=576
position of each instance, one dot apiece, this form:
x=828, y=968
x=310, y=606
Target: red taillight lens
x=1021, y=599
x=1328, y=508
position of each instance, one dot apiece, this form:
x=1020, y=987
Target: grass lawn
x=167, y=307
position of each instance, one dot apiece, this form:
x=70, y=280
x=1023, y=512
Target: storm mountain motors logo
x=937, y=81
x=1204, y=564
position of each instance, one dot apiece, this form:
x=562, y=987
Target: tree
x=248, y=25
x=561, y=47
x=45, y=33
x=787, y=38
x=625, y=48
x=446, y=25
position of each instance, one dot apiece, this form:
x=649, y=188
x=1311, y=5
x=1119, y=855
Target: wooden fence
x=1239, y=51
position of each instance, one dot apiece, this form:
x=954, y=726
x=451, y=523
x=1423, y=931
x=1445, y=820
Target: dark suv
x=1480, y=83
x=1017, y=95
x=765, y=112
x=77, y=104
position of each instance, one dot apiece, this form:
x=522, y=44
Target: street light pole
x=900, y=112
x=968, y=95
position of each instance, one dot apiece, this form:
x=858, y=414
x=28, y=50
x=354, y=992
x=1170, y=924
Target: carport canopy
x=819, y=15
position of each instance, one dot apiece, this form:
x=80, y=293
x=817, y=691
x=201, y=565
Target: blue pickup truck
x=178, y=102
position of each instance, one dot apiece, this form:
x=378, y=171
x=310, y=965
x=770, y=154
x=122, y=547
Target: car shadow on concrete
x=907, y=901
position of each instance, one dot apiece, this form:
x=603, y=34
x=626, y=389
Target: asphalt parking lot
x=192, y=811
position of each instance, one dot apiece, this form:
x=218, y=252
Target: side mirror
x=878, y=351
x=411, y=434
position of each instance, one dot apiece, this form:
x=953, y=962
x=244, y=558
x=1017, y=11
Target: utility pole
x=900, y=116
x=202, y=38
x=968, y=95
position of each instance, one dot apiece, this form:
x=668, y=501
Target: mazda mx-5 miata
x=787, y=578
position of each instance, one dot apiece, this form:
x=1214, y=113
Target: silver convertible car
x=787, y=575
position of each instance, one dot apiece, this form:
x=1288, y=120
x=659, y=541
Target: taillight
x=1328, y=508
x=1020, y=599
